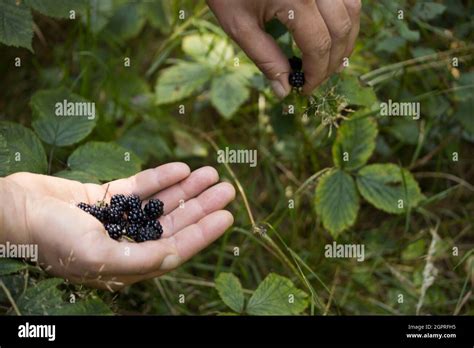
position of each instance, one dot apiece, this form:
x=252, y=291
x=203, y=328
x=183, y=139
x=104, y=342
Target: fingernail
x=278, y=89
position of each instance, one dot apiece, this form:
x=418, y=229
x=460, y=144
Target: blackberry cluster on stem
x=124, y=217
x=296, y=77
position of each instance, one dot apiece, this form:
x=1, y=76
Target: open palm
x=74, y=245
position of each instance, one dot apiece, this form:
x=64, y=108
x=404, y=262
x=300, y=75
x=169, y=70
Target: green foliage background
x=189, y=64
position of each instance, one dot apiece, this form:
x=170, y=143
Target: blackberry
x=100, y=213
x=132, y=231
x=295, y=63
x=147, y=234
x=156, y=226
x=134, y=202
x=119, y=202
x=85, y=207
x=136, y=216
x=114, y=230
x=296, y=79
x=115, y=215
x=154, y=209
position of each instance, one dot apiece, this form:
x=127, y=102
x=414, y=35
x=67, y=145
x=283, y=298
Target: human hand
x=39, y=209
x=324, y=30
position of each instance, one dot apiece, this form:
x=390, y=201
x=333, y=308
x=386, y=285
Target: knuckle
x=239, y=28
x=323, y=45
x=343, y=30
x=354, y=5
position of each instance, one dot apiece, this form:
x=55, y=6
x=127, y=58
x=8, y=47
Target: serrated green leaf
x=427, y=10
x=26, y=151
x=208, y=49
x=56, y=8
x=382, y=185
x=350, y=88
x=4, y=156
x=16, y=28
x=105, y=161
x=355, y=143
x=228, y=93
x=90, y=306
x=180, y=81
x=337, y=201
x=78, y=176
x=41, y=299
x=56, y=129
x=230, y=290
x=277, y=295
x=9, y=266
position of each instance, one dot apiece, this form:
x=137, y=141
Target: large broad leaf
x=105, y=161
x=427, y=10
x=228, y=92
x=337, y=201
x=230, y=290
x=41, y=299
x=208, y=49
x=53, y=125
x=180, y=81
x=355, y=143
x=350, y=87
x=385, y=186
x=25, y=149
x=78, y=176
x=9, y=266
x=4, y=156
x=277, y=295
x=16, y=24
x=56, y=8
x=126, y=22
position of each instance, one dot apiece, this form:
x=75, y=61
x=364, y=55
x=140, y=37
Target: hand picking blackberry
x=296, y=77
x=124, y=217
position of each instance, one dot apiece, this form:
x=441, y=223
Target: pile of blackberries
x=296, y=77
x=125, y=217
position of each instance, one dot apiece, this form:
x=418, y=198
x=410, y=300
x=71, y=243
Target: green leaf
x=277, y=295
x=126, y=22
x=78, y=176
x=228, y=92
x=26, y=151
x=4, y=156
x=404, y=130
x=180, y=81
x=56, y=8
x=382, y=185
x=16, y=27
x=350, y=88
x=230, y=290
x=426, y=10
x=158, y=13
x=407, y=33
x=60, y=130
x=105, y=161
x=145, y=140
x=337, y=201
x=90, y=306
x=9, y=266
x=41, y=299
x=355, y=143
x=208, y=49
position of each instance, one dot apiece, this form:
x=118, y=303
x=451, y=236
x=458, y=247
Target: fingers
x=353, y=8
x=150, y=181
x=246, y=30
x=339, y=25
x=194, y=184
x=192, y=239
x=214, y=198
x=312, y=37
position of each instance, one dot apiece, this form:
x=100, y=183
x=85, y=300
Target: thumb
x=262, y=49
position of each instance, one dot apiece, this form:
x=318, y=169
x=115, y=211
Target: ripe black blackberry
x=115, y=215
x=136, y=216
x=156, y=226
x=147, y=234
x=154, y=209
x=296, y=77
x=115, y=231
x=119, y=202
x=134, y=202
x=100, y=213
x=132, y=231
x=85, y=207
